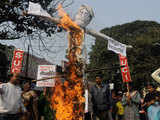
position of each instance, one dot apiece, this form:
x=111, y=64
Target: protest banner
x=46, y=71
x=156, y=75
x=117, y=47
x=17, y=61
x=124, y=69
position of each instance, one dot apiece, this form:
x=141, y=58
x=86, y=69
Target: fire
x=67, y=99
x=66, y=22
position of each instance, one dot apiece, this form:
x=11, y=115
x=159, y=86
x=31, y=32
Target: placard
x=117, y=47
x=45, y=71
x=124, y=69
x=17, y=61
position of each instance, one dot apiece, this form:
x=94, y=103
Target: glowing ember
x=68, y=100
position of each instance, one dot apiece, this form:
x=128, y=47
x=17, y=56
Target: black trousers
x=120, y=117
x=88, y=116
x=101, y=114
x=9, y=117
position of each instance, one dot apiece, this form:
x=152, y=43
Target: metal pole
x=27, y=62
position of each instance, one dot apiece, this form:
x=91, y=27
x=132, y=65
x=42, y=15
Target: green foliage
x=143, y=58
x=12, y=11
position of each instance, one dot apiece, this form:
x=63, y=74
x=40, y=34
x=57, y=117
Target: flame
x=66, y=22
x=67, y=99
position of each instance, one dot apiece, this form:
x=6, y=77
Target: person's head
x=98, y=80
x=15, y=78
x=88, y=86
x=26, y=86
x=113, y=94
x=119, y=95
x=150, y=88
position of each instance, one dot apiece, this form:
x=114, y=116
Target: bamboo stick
x=46, y=78
x=87, y=30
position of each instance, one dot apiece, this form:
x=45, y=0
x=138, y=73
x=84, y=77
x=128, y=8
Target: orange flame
x=68, y=100
x=66, y=22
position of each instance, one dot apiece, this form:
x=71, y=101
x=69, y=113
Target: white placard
x=86, y=101
x=36, y=9
x=117, y=47
x=111, y=86
x=156, y=75
x=45, y=71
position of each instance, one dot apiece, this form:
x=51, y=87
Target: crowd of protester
x=19, y=102
x=124, y=105
x=24, y=103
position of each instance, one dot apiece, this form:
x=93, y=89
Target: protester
x=142, y=112
x=131, y=101
x=153, y=110
x=157, y=95
x=101, y=100
x=151, y=91
x=30, y=100
x=114, y=107
x=11, y=106
x=44, y=106
x=120, y=108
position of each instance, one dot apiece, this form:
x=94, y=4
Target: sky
x=114, y=12
x=108, y=13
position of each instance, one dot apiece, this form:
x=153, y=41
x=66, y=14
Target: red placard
x=17, y=61
x=124, y=69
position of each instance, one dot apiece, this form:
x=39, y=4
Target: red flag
x=124, y=69
x=17, y=61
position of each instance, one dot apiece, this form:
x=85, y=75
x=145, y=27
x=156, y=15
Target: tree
x=14, y=25
x=143, y=58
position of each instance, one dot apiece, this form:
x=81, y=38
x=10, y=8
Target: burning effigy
x=68, y=97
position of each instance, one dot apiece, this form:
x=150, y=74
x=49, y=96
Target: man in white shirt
x=10, y=99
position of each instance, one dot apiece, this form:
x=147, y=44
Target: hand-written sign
x=124, y=69
x=117, y=47
x=17, y=61
x=36, y=9
x=46, y=71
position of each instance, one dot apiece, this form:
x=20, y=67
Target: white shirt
x=10, y=98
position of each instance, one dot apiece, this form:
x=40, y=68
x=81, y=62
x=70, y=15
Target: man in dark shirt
x=151, y=91
x=101, y=100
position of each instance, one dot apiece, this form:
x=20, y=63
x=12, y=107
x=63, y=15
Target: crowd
x=123, y=105
x=103, y=103
x=19, y=102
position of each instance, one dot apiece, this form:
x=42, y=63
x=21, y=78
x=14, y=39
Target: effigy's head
x=84, y=16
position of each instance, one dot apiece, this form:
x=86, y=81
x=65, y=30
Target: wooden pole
x=46, y=78
x=128, y=88
x=88, y=31
x=128, y=91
